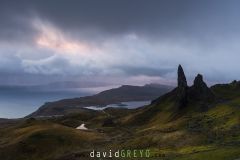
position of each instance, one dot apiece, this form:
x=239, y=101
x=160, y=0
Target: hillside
x=183, y=124
x=187, y=124
x=124, y=93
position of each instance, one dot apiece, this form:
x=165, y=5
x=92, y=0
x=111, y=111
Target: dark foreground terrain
x=188, y=123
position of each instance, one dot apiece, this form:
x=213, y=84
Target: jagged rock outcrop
x=182, y=81
x=182, y=89
x=200, y=91
x=199, y=95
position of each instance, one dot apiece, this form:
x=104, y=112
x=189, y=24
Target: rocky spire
x=182, y=82
x=182, y=88
x=199, y=94
x=198, y=82
x=200, y=90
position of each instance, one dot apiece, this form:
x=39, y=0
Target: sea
x=18, y=102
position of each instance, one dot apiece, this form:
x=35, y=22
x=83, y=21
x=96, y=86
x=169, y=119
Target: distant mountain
x=124, y=93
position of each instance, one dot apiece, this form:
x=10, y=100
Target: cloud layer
x=130, y=42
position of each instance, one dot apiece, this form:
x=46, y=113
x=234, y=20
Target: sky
x=113, y=42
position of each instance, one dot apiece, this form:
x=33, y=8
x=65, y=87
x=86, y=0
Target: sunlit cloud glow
x=111, y=41
x=51, y=38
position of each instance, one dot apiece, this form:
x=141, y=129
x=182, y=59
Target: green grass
x=224, y=153
x=213, y=134
x=46, y=140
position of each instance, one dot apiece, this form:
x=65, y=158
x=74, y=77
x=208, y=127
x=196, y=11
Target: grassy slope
x=212, y=135
x=44, y=140
x=55, y=138
x=185, y=135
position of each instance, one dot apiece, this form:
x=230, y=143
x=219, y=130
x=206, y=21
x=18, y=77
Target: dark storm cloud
x=143, y=37
x=152, y=18
x=14, y=22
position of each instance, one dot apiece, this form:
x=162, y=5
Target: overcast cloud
x=118, y=41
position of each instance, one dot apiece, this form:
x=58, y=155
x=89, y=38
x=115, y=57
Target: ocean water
x=129, y=105
x=17, y=102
